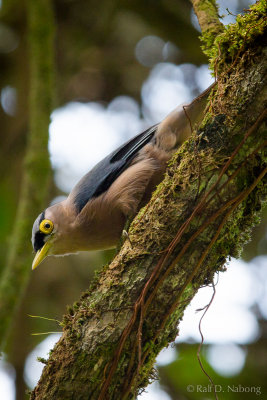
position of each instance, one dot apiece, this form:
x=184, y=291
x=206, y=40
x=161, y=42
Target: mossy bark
x=208, y=18
x=36, y=169
x=201, y=214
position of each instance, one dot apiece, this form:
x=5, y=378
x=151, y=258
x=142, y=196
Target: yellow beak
x=41, y=254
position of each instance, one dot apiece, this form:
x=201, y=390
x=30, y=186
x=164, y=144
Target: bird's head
x=44, y=231
x=51, y=233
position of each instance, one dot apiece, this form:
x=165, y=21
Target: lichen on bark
x=201, y=214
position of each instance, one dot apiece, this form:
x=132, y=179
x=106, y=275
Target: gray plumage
x=101, y=177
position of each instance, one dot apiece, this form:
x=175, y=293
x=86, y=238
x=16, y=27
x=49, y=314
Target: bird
x=94, y=214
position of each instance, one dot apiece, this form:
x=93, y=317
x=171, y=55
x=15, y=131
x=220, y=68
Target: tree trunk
x=200, y=215
x=37, y=171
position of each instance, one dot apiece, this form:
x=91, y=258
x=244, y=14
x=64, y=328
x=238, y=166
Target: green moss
x=42, y=360
x=207, y=13
x=248, y=28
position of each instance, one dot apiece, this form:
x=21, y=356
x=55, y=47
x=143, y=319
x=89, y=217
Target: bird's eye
x=46, y=226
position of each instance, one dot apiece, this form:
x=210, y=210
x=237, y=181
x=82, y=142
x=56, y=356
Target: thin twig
x=202, y=341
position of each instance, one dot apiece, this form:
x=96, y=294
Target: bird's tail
x=178, y=125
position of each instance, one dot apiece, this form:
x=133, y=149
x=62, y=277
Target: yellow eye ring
x=46, y=226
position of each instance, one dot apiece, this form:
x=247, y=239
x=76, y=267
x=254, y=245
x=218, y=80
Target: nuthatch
x=97, y=208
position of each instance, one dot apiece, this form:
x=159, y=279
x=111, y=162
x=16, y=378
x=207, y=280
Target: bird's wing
x=101, y=177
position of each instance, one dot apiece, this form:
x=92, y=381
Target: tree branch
x=37, y=170
x=208, y=18
x=199, y=215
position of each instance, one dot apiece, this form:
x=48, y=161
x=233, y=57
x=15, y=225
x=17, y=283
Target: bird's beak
x=41, y=254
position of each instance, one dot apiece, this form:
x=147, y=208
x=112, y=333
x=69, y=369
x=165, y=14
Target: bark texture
x=207, y=15
x=37, y=169
x=201, y=214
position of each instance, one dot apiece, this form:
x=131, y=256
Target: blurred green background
x=120, y=67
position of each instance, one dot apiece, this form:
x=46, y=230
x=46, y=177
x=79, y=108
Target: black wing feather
x=101, y=177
